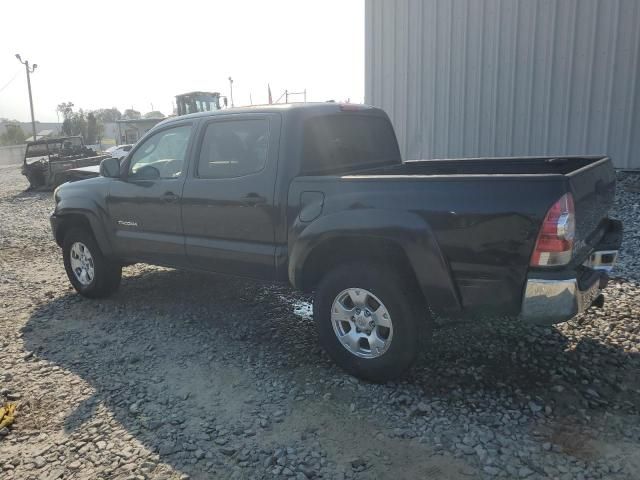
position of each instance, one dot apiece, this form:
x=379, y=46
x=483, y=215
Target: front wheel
x=89, y=271
x=369, y=320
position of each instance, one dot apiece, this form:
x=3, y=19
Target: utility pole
x=231, y=88
x=29, y=72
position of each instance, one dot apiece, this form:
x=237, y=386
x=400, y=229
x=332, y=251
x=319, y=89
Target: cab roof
x=283, y=108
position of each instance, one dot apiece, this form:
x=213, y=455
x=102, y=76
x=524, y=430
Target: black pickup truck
x=318, y=195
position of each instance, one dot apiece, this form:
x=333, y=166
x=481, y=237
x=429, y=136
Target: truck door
x=144, y=207
x=228, y=210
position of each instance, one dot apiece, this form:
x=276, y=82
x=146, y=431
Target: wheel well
x=68, y=222
x=332, y=253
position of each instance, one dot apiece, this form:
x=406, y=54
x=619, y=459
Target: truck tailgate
x=593, y=189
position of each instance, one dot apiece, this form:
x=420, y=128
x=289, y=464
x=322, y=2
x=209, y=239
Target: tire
x=105, y=277
x=35, y=175
x=379, y=285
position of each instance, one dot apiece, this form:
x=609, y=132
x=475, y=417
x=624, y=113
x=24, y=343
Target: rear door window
x=234, y=148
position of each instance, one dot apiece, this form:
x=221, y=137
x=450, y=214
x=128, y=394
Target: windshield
x=37, y=150
x=40, y=149
x=54, y=146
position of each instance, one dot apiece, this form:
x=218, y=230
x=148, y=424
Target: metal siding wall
x=507, y=77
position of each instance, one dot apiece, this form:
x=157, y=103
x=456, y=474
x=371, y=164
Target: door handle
x=170, y=197
x=253, y=199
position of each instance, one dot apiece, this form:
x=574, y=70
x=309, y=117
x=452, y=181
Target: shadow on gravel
x=30, y=193
x=174, y=354
x=540, y=364
x=181, y=360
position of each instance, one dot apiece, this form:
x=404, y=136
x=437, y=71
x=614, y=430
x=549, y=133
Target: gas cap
x=311, y=204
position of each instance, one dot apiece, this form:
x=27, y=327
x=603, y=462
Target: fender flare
x=95, y=217
x=407, y=230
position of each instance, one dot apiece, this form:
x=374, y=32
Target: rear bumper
x=559, y=296
x=552, y=301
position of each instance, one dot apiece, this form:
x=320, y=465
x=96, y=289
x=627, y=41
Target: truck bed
x=590, y=179
x=492, y=166
x=484, y=212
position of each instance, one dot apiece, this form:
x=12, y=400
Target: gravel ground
x=181, y=375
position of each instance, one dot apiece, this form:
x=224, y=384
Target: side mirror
x=110, y=167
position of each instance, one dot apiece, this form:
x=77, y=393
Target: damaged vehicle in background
x=119, y=151
x=50, y=162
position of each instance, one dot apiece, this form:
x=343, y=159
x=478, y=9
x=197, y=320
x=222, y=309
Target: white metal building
x=466, y=78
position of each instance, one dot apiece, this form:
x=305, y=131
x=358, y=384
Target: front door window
x=162, y=155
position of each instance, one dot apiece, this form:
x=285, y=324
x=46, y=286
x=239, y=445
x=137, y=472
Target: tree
x=79, y=124
x=66, y=127
x=75, y=123
x=14, y=135
x=131, y=114
x=100, y=132
x=106, y=115
x=66, y=109
x=154, y=114
x=102, y=116
x=92, y=129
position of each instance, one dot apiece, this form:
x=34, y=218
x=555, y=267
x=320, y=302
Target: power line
x=9, y=82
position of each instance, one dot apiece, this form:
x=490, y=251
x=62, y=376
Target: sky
x=140, y=54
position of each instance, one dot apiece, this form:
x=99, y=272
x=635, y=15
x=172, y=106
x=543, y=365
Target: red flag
x=270, y=99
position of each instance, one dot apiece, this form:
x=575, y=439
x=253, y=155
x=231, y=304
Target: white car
x=119, y=151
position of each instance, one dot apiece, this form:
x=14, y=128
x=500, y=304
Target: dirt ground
x=185, y=375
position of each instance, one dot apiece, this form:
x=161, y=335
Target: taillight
x=555, y=240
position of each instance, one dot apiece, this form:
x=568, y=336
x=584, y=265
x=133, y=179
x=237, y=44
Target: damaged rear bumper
x=553, y=301
x=555, y=297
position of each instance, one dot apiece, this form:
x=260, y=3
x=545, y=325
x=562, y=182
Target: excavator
x=194, y=102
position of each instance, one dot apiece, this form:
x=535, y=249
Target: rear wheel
x=370, y=320
x=35, y=175
x=89, y=271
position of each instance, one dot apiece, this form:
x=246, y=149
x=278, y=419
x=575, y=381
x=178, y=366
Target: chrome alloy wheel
x=82, y=263
x=362, y=323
